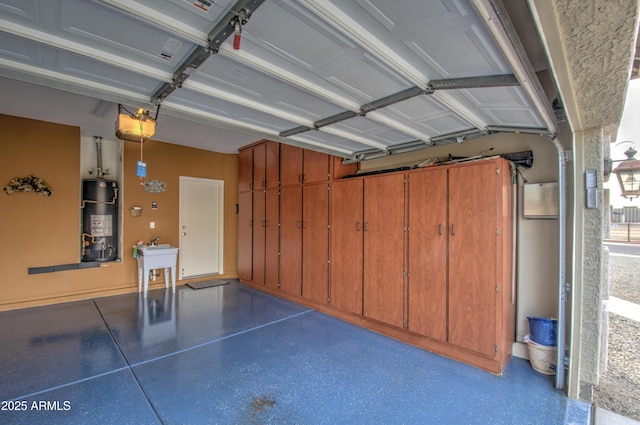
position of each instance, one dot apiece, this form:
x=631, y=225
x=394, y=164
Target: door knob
x=184, y=233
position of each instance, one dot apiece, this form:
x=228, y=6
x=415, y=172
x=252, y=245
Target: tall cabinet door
x=290, y=165
x=245, y=170
x=347, y=223
x=245, y=236
x=291, y=239
x=272, y=164
x=315, y=167
x=427, y=256
x=472, y=257
x=384, y=248
x=259, y=209
x=315, y=242
x=272, y=238
x=259, y=167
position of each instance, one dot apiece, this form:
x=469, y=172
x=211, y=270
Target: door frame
x=220, y=185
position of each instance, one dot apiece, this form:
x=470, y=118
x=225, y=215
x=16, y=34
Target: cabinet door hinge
x=497, y=288
x=497, y=231
x=497, y=348
x=498, y=171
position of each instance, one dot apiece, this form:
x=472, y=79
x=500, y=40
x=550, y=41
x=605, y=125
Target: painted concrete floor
x=234, y=355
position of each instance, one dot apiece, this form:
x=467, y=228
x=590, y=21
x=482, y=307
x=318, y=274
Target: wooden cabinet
x=259, y=210
x=290, y=165
x=266, y=171
x=272, y=238
x=475, y=284
x=315, y=166
x=347, y=220
x=383, y=291
x=340, y=170
x=302, y=166
x=245, y=170
x=259, y=166
x=427, y=253
x=460, y=289
x=315, y=242
x=423, y=256
x=291, y=239
x=367, y=247
x=245, y=236
x=265, y=236
x=257, y=213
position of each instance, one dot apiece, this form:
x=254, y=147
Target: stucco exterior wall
x=589, y=155
x=590, y=46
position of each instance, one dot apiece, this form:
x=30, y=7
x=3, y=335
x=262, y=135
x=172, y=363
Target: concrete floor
x=234, y=355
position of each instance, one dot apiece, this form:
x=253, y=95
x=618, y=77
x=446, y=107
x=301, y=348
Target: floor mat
x=207, y=284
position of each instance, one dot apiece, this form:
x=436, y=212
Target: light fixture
x=136, y=127
x=628, y=173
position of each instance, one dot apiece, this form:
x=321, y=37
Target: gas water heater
x=99, y=220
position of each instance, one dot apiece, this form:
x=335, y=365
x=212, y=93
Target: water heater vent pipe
x=99, y=171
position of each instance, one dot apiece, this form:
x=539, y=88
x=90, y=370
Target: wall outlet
x=152, y=225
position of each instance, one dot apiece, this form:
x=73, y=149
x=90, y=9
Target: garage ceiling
x=355, y=78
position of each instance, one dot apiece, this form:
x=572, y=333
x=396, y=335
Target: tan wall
x=38, y=231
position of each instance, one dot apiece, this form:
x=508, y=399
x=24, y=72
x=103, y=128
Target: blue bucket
x=543, y=331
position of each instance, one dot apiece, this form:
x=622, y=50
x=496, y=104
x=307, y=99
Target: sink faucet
x=153, y=242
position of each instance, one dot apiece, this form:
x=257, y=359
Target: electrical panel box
x=541, y=200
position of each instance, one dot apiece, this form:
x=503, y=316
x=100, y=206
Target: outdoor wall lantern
x=628, y=173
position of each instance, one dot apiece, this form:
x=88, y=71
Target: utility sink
x=162, y=256
x=158, y=246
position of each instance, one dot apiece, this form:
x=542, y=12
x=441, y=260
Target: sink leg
x=146, y=282
x=173, y=278
x=166, y=278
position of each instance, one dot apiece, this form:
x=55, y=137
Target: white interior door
x=201, y=227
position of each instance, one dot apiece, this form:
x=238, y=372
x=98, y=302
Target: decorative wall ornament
x=30, y=183
x=155, y=186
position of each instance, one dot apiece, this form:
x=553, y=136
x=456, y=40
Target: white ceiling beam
x=374, y=45
x=503, y=33
x=366, y=39
x=269, y=68
x=244, y=101
x=53, y=79
x=350, y=136
x=68, y=45
x=160, y=19
x=224, y=122
x=227, y=123
x=380, y=117
x=293, y=78
x=315, y=144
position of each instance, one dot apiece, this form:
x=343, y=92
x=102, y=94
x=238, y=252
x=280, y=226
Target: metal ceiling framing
x=358, y=79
